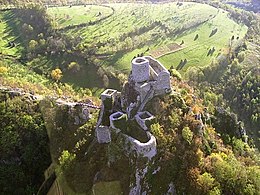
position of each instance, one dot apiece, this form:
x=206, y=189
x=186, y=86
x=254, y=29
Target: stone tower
x=140, y=69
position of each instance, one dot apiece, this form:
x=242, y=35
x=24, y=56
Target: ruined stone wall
x=156, y=65
x=140, y=69
x=147, y=149
x=103, y=134
x=142, y=118
x=143, y=90
x=162, y=83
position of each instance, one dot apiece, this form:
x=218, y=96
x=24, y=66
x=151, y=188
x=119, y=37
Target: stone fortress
x=148, y=78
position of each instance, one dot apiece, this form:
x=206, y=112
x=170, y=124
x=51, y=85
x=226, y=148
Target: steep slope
x=191, y=156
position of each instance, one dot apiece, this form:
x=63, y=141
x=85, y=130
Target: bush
x=187, y=134
x=206, y=181
x=66, y=159
x=3, y=70
x=56, y=74
x=74, y=67
x=175, y=73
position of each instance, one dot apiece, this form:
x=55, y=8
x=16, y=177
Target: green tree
x=65, y=161
x=33, y=45
x=74, y=67
x=206, y=182
x=187, y=134
x=23, y=146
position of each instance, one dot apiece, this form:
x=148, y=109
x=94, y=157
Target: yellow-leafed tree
x=56, y=74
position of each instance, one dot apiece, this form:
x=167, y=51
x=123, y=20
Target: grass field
x=132, y=29
x=9, y=32
x=65, y=16
x=196, y=51
x=7, y=35
x=174, y=24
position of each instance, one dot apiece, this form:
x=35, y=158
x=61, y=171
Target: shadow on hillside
x=12, y=29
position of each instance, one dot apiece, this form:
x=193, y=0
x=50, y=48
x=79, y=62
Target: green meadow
x=135, y=28
x=7, y=35
x=117, y=32
x=65, y=16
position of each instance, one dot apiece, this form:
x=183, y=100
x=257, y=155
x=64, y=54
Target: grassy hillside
x=7, y=35
x=13, y=74
x=65, y=16
x=137, y=28
x=103, y=48
x=196, y=52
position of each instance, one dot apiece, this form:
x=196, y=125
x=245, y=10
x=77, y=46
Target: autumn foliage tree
x=56, y=74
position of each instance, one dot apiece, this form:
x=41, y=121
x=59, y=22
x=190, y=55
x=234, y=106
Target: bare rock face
x=79, y=114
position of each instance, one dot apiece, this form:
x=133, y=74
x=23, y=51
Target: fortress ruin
x=123, y=112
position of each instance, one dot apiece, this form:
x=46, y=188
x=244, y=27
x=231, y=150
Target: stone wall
x=140, y=69
x=117, y=119
x=109, y=93
x=163, y=83
x=143, y=90
x=103, y=134
x=156, y=65
x=147, y=149
x=142, y=118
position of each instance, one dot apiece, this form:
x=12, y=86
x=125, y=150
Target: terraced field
x=147, y=28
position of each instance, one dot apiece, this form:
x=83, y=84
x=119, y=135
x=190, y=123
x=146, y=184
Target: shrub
x=74, y=67
x=32, y=45
x=56, y=74
x=66, y=160
x=206, y=181
x=175, y=73
x=3, y=70
x=187, y=134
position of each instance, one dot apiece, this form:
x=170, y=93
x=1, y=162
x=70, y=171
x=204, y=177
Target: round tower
x=140, y=69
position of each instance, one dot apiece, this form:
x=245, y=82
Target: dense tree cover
x=24, y=146
x=239, y=87
x=194, y=158
x=235, y=75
